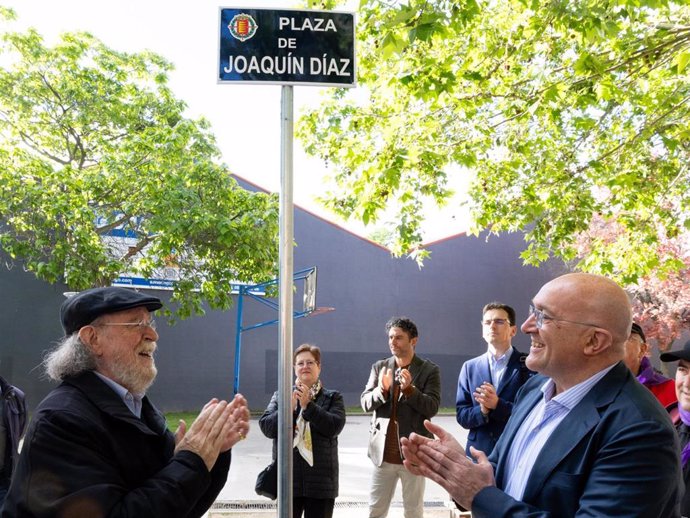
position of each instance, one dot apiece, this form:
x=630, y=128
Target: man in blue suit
x=487, y=384
x=585, y=438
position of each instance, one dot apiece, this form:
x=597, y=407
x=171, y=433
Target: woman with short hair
x=318, y=416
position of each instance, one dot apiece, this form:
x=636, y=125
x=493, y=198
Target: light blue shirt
x=498, y=366
x=536, y=429
x=133, y=401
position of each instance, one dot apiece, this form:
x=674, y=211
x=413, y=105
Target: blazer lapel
x=512, y=370
x=393, y=366
x=483, y=372
x=415, y=367
x=520, y=413
x=323, y=398
x=576, y=425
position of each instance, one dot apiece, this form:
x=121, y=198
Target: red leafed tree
x=660, y=300
x=661, y=305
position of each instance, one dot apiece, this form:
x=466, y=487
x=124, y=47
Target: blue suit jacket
x=615, y=455
x=484, y=433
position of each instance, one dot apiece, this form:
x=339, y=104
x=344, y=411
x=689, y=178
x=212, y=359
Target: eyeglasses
x=497, y=321
x=307, y=363
x=636, y=338
x=540, y=317
x=141, y=326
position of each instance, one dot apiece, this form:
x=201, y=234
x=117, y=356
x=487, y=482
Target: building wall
x=360, y=279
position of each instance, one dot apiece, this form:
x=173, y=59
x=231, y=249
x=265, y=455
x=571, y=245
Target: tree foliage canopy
x=93, y=140
x=562, y=110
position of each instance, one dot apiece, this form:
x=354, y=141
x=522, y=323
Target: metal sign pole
x=286, y=47
x=285, y=427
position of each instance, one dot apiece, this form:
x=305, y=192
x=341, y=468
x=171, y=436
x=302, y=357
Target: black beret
x=679, y=354
x=86, y=306
x=638, y=331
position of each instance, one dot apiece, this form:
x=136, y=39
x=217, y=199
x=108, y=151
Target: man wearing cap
x=584, y=439
x=682, y=383
x=96, y=445
x=637, y=361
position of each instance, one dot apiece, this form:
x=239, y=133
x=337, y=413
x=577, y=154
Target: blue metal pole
x=238, y=341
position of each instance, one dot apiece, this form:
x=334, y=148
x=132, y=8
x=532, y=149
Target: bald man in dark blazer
x=585, y=438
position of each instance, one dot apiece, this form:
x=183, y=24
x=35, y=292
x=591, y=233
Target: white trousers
x=383, y=484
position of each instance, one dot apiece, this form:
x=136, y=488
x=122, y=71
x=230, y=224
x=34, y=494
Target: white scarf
x=302, y=439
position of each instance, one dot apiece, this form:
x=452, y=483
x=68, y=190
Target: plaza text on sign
x=287, y=47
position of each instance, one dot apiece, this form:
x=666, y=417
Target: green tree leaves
x=93, y=140
x=562, y=111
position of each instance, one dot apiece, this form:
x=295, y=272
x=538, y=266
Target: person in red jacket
x=637, y=361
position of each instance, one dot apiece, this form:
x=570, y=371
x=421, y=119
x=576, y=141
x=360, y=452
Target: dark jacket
x=86, y=455
x=614, y=454
x=411, y=411
x=484, y=432
x=326, y=418
x=684, y=434
x=12, y=428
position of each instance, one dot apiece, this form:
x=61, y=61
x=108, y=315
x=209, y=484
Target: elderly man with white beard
x=96, y=445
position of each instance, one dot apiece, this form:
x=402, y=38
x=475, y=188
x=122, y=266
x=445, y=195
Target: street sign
x=288, y=47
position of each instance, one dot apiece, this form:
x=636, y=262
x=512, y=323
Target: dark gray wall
x=357, y=277
x=30, y=323
x=444, y=298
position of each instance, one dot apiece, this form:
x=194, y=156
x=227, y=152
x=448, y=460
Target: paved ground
x=238, y=498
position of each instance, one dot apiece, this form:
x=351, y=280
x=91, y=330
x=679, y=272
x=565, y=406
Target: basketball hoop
x=258, y=293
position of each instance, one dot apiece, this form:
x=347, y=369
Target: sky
x=245, y=117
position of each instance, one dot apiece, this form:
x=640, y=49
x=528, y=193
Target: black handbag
x=267, y=481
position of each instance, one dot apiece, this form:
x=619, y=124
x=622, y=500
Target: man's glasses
x=540, y=317
x=143, y=324
x=497, y=321
x=636, y=338
x=307, y=363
